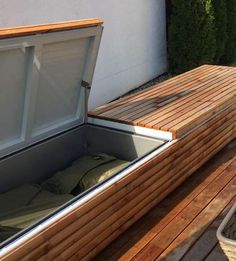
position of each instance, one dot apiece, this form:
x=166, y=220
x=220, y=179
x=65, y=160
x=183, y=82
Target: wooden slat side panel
x=106, y=214
x=44, y=240
x=156, y=182
x=78, y=244
x=133, y=240
x=119, y=215
x=48, y=28
x=147, y=207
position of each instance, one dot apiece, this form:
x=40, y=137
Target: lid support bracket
x=87, y=88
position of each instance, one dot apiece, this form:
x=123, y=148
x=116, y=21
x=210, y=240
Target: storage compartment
x=50, y=158
x=226, y=234
x=21, y=172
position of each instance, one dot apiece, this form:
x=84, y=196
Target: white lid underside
x=40, y=84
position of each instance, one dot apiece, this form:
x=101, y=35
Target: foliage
x=230, y=50
x=220, y=13
x=192, y=35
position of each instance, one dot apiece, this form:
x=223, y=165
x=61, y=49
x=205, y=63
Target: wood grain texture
x=157, y=248
x=87, y=230
x=48, y=28
x=177, y=105
x=134, y=239
x=204, y=199
x=216, y=254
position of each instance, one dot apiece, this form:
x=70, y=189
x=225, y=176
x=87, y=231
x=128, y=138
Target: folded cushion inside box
x=98, y=174
x=65, y=181
x=22, y=206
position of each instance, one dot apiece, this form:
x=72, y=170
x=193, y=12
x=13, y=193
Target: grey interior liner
x=39, y=162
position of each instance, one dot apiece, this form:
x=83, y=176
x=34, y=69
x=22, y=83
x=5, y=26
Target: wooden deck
x=183, y=226
x=177, y=105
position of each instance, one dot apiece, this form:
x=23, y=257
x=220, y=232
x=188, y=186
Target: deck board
x=202, y=246
x=186, y=220
x=216, y=254
x=177, y=105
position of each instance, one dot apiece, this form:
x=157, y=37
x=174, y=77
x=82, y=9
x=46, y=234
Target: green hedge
x=220, y=13
x=192, y=39
x=200, y=32
x=230, y=50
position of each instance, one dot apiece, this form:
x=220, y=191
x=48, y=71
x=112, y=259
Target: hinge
x=87, y=88
x=86, y=85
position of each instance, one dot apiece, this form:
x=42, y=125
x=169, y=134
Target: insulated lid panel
x=41, y=76
x=59, y=88
x=12, y=92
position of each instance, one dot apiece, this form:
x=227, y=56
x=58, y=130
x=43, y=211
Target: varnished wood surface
x=84, y=232
x=87, y=230
x=183, y=226
x=177, y=105
x=47, y=28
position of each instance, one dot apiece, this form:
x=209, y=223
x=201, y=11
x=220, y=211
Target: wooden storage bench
x=168, y=131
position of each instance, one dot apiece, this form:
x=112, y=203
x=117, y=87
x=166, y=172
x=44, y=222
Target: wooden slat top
x=48, y=28
x=183, y=226
x=177, y=105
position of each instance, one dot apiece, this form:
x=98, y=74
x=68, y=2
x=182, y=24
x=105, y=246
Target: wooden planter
x=226, y=234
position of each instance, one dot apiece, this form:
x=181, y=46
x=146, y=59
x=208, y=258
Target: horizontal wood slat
x=198, y=239
x=197, y=84
x=48, y=28
x=84, y=232
x=147, y=206
x=91, y=227
x=137, y=237
x=164, y=239
x=177, y=105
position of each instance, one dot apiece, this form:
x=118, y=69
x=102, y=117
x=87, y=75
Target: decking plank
x=135, y=213
x=169, y=234
x=184, y=241
x=201, y=247
x=133, y=240
x=128, y=246
x=216, y=254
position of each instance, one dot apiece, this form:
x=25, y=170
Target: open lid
x=45, y=74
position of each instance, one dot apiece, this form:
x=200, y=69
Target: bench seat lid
x=177, y=105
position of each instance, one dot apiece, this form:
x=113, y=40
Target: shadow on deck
x=183, y=226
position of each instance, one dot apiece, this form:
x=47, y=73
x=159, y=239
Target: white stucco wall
x=133, y=47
